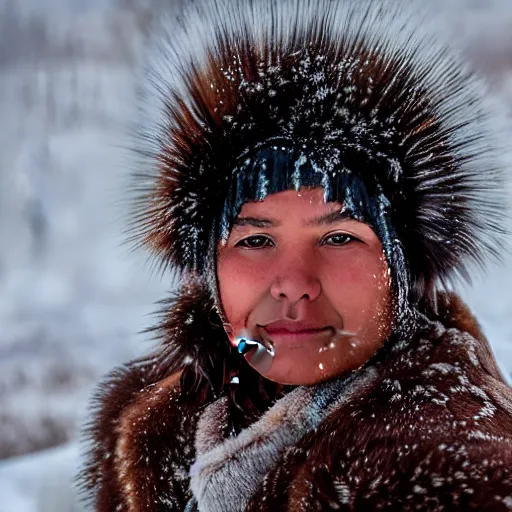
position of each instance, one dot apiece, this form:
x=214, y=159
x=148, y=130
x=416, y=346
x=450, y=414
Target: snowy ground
x=41, y=482
x=71, y=298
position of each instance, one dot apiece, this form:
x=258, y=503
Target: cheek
x=241, y=285
x=359, y=288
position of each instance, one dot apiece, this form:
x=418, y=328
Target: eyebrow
x=323, y=220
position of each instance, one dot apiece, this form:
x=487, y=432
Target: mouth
x=296, y=337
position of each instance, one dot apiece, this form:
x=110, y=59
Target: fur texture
x=339, y=88
x=257, y=449
x=424, y=426
x=349, y=95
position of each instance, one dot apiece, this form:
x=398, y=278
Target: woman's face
x=296, y=271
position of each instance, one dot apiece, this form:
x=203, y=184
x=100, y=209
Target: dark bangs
x=277, y=168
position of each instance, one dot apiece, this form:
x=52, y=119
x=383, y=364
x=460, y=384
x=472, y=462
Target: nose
x=295, y=280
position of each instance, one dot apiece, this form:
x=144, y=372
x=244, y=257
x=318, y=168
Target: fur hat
x=252, y=97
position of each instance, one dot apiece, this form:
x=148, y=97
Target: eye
x=338, y=239
x=255, y=242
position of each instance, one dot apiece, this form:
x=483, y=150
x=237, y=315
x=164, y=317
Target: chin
x=298, y=377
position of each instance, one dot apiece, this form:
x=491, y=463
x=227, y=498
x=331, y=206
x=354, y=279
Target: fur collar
x=227, y=472
x=133, y=408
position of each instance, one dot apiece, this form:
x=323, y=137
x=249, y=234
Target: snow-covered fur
x=423, y=426
x=251, y=97
x=332, y=90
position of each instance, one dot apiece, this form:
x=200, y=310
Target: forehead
x=303, y=203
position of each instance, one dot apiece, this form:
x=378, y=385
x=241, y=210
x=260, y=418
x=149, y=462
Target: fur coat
x=425, y=425
x=252, y=97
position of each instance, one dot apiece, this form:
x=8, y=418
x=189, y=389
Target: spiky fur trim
x=227, y=77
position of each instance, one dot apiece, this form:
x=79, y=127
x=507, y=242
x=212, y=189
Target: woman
x=318, y=173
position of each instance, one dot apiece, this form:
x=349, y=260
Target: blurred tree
x=146, y=11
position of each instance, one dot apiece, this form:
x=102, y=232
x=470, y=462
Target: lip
x=283, y=327
x=296, y=335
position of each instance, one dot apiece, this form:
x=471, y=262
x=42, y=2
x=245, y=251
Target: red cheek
x=241, y=284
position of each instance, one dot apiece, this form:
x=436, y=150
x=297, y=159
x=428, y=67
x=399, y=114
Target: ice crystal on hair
x=296, y=171
x=263, y=183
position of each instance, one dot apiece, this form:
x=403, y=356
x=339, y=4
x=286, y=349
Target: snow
x=72, y=298
x=40, y=482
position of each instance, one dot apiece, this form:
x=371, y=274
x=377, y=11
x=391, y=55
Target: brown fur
x=439, y=410
x=302, y=91
x=388, y=117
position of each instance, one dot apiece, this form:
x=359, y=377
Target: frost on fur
x=342, y=88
